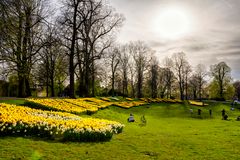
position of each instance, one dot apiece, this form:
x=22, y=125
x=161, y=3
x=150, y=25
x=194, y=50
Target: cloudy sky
x=208, y=31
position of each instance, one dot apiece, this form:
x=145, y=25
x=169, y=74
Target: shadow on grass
x=17, y=101
x=52, y=140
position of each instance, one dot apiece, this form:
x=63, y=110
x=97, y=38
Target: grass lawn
x=170, y=133
x=12, y=101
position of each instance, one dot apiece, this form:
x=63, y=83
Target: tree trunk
x=181, y=91
x=28, y=89
x=20, y=86
x=200, y=90
x=71, y=73
x=125, y=84
x=81, y=82
x=133, y=89
x=194, y=93
x=113, y=78
x=47, y=86
x=52, y=77
x=186, y=87
x=93, y=79
x=23, y=86
x=139, y=85
x=221, y=91
x=86, y=94
x=52, y=86
x=72, y=52
x=47, y=76
x=23, y=70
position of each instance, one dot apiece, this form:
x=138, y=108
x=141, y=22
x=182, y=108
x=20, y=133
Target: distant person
x=238, y=118
x=131, y=118
x=210, y=112
x=199, y=112
x=191, y=111
x=225, y=117
x=223, y=112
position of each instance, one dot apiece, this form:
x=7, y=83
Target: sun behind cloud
x=172, y=23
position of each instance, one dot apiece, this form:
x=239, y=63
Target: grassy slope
x=13, y=101
x=170, y=133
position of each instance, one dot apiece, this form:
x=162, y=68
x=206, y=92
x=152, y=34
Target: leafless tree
x=154, y=76
x=187, y=72
x=113, y=60
x=200, y=73
x=21, y=38
x=132, y=74
x=124, y=63
x=180, y=65
x=168, y=75
x=96, y=35
x=52, y=60
x=221, y=73
x=92, y=24
x=193, y=85
x=141, y=55
x=71, y=21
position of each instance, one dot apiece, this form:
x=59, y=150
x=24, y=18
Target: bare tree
x=193, y=85
x=92, y=24
x=132, y=74
x=21, y=38
x=200, y=73
x=154, y=75
x=168, y=75
x=187, y=72
x=124, y=63
x=180, y=64
x=71, y=21
x=95, y=35
x=141, y=55
x=52, y=55
x=221, y=73
x=113, y=60
x=165, y=80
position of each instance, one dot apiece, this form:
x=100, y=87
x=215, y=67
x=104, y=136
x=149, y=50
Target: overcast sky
x=212, y=34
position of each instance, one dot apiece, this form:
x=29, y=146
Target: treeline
x=136, y=72
x=74, y=53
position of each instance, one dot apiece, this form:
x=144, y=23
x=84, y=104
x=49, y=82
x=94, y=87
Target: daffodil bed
x=105, y=99
x=24, y=121
x=103, y=104
x=159, y=100
x=197, y=103
x=89, y=105
x=78, y=106
x=129, y=99
x=98, y=102
x=129, y=104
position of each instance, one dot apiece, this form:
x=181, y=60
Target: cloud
x=215, y=36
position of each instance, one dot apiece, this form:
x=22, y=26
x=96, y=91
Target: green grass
x=13, y=101
x=170, y=133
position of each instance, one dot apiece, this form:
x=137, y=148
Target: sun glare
x=172, y=23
